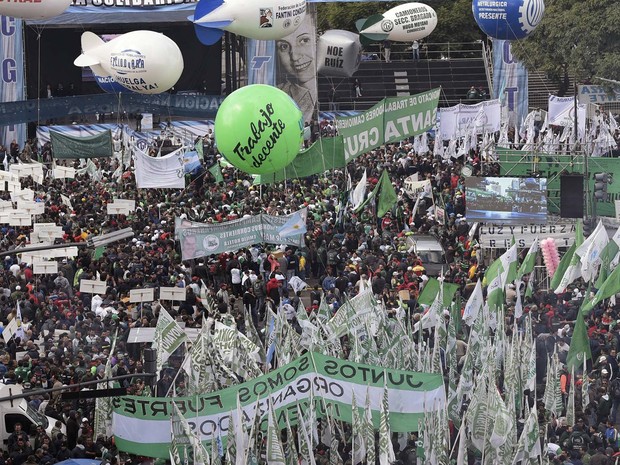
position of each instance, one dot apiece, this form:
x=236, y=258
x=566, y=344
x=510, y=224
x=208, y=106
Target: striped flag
x=386, y=451
x=369, y=431
x=275, y=453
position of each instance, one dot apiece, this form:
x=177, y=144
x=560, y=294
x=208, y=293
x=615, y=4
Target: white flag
x=474, y=304
x=590, y=252
x=358, y=194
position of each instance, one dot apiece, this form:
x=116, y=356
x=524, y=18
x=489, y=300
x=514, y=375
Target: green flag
x=387, y=195
x=569, y=268
x=610, y=287
x=98, y=253
x=431, y=288
x=529, y=261
x=607, y=255
x=579, y=344
x=216, y=172
x=198, y=147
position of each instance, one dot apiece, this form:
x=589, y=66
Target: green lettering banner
x=97, y=146
x=141, y=425
x=202, y=239
x=391, y=120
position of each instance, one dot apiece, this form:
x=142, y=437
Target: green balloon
x=259, y=129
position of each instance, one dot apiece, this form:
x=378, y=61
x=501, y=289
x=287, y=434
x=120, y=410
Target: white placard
x=20, y=220
x=25, y=194
x=30, y=206
x=9, y=330
x=500, y=237
x=62, y=172
x=117, y=209
x=173, y=293
x=11, y=186
x=6, y=205
x=90, y=286
x=141, y=295
x=128, y=203
x=8, y=176
x=49, y=267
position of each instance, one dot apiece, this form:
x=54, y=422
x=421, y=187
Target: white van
x=430, y=251
x=18, y=411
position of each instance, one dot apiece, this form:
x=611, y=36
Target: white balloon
x=41, y=9
x=256, y=19
x=404, y=23
x=146, y=62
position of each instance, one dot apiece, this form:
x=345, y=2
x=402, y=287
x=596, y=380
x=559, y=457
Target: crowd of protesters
x=68, y=335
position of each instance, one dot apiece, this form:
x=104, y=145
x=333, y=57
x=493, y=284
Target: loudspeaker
x=571, y=196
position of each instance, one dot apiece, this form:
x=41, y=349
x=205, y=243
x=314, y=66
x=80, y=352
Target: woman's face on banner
x=296, y=53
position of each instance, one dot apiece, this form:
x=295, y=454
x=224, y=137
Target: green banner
x=97, y=146
x=202, y=239
x=518, y=163
x=142, y=425
x=324, y=155
x=391, y=120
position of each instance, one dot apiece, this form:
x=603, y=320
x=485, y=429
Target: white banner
x=597, y=94
x=165, y=172
x=562, y=112
x=463, y=120
x=500, y=237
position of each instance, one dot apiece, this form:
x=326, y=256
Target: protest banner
x=391, y=120
x=142, y=425
x=201, y=239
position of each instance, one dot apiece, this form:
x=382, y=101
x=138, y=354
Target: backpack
x=615, y=388
x=576, y=441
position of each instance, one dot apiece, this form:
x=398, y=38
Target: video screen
x=506, y=200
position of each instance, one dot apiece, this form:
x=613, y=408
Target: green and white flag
x=386, y=451
x=570, y=408
x=527, y=266
x=305, y=446
x=579, y=350
x=231, y=440
x=569, y=268
x=275, y=453
x=369, y=431
x=291, y=452
x=167, y=338
x=590, y=252
x=473, y=305
x=358, y=449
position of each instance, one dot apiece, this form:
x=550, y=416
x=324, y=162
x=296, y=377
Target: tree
x=575, y=37
x=455, y=20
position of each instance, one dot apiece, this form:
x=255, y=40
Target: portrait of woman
x=296, y=72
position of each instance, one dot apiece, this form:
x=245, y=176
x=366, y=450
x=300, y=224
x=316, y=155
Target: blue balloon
x=508, y=19
x=109, y=85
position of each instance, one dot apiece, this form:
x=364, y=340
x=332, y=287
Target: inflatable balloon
x=508, y=19
x=250, y=18
x=42, y=9
x=259, y=129
x=109, y=85
x=145, y=62
x=338, y=53
x=404, y=23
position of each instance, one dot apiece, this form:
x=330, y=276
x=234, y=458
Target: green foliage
x=455, y=20
x=575, y=37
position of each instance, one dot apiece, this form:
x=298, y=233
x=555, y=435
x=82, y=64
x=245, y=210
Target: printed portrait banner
x=463, y=120
x=202, y=239
x=391, y=120
x=142, y=425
